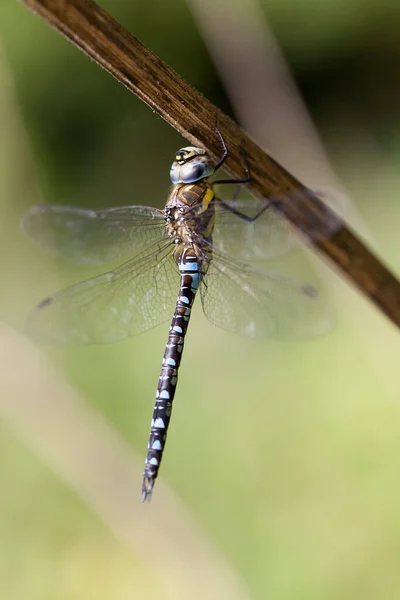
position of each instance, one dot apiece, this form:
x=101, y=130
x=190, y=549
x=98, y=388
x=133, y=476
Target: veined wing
x=93, y=237
x=267, y=237
x=136, y=296
x=261, y=303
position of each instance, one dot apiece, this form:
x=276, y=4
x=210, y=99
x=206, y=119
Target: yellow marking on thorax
x=208, y=196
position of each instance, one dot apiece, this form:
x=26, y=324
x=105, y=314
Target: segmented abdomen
x=190, y=279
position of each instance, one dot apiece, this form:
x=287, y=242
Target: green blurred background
x=286, y=457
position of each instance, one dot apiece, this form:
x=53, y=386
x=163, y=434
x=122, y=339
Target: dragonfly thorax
x=178, y=228
x=191, y=164
x=189, y=215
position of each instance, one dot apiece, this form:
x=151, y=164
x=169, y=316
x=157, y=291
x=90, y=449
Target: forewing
x=269, y=236
x=93, y=237
x=137, y=296
x=261, y=303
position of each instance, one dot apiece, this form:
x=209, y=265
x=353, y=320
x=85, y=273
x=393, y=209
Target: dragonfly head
x=191, y=164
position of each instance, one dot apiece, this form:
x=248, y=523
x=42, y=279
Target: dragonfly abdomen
x=189, y=283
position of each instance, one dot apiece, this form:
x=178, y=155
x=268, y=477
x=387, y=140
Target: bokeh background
x=281, y=477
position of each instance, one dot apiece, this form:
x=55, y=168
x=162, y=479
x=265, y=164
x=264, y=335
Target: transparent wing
x=267, y=237
x=261, y=303
x=93, y=237
x=136, y=296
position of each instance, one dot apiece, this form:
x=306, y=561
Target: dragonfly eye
x=191, y=164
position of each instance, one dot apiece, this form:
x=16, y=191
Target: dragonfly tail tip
x=147, y=489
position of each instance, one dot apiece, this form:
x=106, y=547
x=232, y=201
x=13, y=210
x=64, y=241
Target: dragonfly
x=199, y=242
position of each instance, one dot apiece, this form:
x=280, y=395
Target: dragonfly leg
x=236, y=181
x=237, y=193
x=225, y=156
x=224, y=146
x=241, y=215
